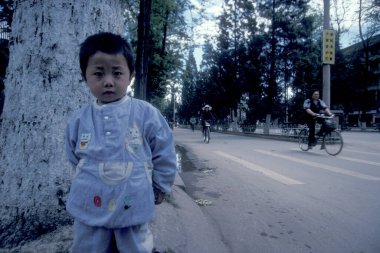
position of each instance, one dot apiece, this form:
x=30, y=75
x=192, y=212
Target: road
x=266, y=195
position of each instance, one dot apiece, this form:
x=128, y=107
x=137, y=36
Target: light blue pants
x=89, y=239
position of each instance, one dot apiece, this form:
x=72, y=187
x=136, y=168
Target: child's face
x=108, y=76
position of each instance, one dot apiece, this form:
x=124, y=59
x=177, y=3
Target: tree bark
x=272, y=85
x=142, y=55
x=43, y=88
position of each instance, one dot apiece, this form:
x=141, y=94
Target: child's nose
x=108, y=81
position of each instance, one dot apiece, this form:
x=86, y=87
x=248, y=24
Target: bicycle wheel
x=333, y=143
x=208, y=135
x=303, y=139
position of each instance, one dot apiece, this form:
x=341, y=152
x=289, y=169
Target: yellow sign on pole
x=328, y=47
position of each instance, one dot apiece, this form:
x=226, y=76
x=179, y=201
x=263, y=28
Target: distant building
x=372, y=89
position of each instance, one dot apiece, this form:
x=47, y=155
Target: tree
x=143, y=48
x=160, y=36
x=189, y=79
x=289, y=53
x=43, y=88
x=340, y=10
x=299, y=57
x=168, y=32
x=207, y=75
x=228, y=73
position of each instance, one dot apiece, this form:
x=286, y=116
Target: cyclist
x=206, y=116
x=193, y=121
x=314, y=106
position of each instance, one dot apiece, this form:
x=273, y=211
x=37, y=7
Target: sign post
x=326, y=66
x=328, y=47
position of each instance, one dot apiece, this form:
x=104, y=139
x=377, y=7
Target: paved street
x=266, y=195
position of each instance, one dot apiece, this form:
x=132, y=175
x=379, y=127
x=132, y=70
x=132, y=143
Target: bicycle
x=332, y=141
x=206, y=132
x=289, y=130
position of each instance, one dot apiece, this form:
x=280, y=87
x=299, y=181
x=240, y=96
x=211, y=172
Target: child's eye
x=98, y=74
x=118, y=73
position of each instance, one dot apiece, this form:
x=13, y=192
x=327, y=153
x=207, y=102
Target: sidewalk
x=179, y=227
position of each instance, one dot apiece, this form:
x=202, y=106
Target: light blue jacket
x=118, y=150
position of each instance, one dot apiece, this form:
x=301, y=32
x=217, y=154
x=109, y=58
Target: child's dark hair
x=108, y=43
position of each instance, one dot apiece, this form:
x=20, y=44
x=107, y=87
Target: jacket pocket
x=115, y=173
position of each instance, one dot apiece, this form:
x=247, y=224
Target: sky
x=350, y=17
x=214, y=9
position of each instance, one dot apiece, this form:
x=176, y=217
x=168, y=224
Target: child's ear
x=83, y=77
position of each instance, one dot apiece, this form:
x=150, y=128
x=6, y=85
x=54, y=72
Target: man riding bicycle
x=206, y=116
x=193, y=121
x=314, y=106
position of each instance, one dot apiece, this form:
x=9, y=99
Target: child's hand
x=158, y=196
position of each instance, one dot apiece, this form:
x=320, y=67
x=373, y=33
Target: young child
x=123, y=153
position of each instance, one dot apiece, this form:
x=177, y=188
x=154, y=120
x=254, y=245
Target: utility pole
x=173, y=109
x=173, y=90
x=326, y=66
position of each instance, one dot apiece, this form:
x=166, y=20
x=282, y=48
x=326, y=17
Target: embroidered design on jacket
x=97, y=201
x=127, y=203
x=84, y=140
x=133, y=139
x=112, y=205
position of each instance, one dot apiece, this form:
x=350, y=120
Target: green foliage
x=243, y=62
x=168, y=29
x=168, y=32
x=263, y=49
x=295, y=56
x=189, y=78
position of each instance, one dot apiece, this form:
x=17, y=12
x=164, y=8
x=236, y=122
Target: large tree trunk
x=43, y=88
x=272, y=84
x=143, y=47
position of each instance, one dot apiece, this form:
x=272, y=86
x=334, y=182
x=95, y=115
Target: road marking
x=361, y=152
x=359, y=160
x=354, y=159
x=321, y=166
x=271, y=174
